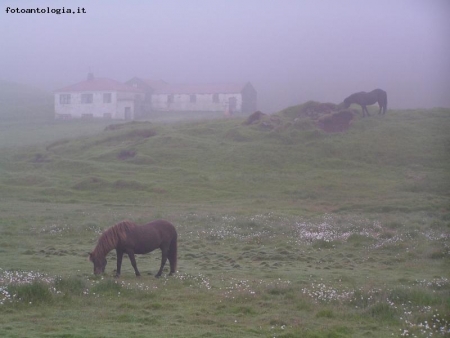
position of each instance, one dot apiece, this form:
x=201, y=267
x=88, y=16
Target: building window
x=170, y=98
x=64, y=116
x=64, y=99
x=106, y=97
x=216, y=98
x=193, y=98
x=87, y=98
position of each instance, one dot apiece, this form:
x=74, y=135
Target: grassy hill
x=399, y=162
x=284, y=230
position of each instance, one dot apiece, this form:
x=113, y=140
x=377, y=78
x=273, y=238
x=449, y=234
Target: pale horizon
x=291, y=51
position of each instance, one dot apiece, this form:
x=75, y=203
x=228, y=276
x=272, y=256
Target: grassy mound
x=310, y=109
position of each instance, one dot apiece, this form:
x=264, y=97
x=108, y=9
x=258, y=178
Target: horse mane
x=111, y=237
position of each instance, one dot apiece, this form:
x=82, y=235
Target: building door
x=232, y=105
x=127, y=114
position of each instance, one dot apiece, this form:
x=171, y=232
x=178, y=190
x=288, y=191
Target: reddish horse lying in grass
x=127, y=237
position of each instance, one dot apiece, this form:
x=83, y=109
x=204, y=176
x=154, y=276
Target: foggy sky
x=290, y=50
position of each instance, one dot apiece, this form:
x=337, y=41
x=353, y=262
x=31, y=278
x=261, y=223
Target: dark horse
x=127, y=237
x=364, y=99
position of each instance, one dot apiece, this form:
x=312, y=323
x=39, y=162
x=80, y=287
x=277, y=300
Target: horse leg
x=365, y=108
x=164, y=252
x=119, y=254
x=172, y=256
x=172, y=265
x=133, y=262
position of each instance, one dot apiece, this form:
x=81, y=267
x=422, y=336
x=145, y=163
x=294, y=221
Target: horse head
x=99, y=263
x=346, y=103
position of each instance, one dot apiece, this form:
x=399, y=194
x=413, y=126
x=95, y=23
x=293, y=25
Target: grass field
x=289, y=232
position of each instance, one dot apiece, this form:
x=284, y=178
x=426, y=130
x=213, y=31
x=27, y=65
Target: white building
x=107, y=98
x=161, y=96
x=99, y=97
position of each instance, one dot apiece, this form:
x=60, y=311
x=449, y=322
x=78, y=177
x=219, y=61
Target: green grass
x=244, y=275
x=198, y=162
x=288, y=232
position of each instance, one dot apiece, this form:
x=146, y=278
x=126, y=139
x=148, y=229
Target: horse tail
x=172, y=254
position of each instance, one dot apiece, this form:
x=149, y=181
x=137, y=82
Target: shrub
x=34, y=293
x=415, y=296
x=70, y=286
x=107, y=287
x=382, y=311
x=323, y=244
x=359, y=240
x=325, y=313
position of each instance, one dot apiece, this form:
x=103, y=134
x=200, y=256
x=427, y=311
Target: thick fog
x=290, y=50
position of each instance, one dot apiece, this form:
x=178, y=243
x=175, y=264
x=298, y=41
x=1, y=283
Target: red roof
x=227, y=88
x=154, y=83
x=99, y=84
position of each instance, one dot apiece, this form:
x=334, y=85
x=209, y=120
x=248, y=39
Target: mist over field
x=291, y=51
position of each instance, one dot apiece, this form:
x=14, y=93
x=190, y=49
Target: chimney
x=90, y=76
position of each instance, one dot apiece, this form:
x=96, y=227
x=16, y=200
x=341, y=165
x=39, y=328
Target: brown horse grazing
x=127, y=237
x=365, y=99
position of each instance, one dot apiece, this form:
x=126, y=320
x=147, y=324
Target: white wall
x=122, y=107
x=123, y=101
x=77, y=109
x=115, y=109
x=204, y=102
